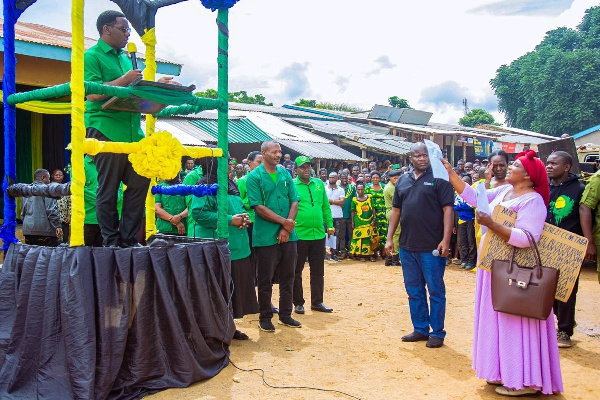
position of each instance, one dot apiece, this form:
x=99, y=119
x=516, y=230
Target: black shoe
x=321, y=308
x=291, y=322
x=130, y=245
x=266, y=326
x=415, y=337
x=388, y=261
x=274, y=309
x=299, y=309
x=435, y=342
x=239, y=335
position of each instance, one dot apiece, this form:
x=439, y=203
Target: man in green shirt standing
x=107, y=63
x=273, y=196
x=589, y=216
x=388, y=195
x=171, y=211
x=314, y=213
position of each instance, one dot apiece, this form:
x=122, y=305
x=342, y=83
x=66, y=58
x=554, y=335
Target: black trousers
x=112, y=170
x=468, y=245
x=38, y=240
x=345, y=227
x=315, y=250
x=92, y=236
x=565, y=312
x=280, y=257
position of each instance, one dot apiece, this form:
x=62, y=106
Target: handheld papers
x=435, y=158
x=331, y=242
x=483, y=205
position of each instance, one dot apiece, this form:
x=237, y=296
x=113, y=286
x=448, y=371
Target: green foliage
x=397, y=102
x=306, y=103
x=327, y=106
x=236, y=97
x=555, y=88
x=476, y=117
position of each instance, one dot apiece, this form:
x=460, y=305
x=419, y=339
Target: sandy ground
x=357, y=349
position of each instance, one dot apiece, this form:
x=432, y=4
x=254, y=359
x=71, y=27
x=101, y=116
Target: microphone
x=436, y=253
x=132, y=49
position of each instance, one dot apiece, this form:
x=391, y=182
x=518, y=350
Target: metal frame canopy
x=141, y=14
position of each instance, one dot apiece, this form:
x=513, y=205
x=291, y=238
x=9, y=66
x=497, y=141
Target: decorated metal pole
x=77, y=124
x=223, y=140
x=9, y=225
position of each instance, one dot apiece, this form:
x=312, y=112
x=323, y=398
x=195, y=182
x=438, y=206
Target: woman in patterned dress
x=64, y=206
x=363, y=224
x=375, y=191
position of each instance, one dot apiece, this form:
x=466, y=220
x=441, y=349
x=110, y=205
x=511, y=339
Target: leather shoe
x=434, y=342
x=321, y=308
x=299, y=309
x=415, y=337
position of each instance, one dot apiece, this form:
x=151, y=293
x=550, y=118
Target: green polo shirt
x=591, y=198
x=277, y=196
x=173, y=205
x=244, y=195
x=350, y=193
x=191, y=178
x=314, y=210
x=91, y=188
x=105, y=64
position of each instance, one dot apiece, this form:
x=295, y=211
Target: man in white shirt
x=337, y=197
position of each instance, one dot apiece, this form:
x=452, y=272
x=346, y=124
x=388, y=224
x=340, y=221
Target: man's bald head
x=417, y=147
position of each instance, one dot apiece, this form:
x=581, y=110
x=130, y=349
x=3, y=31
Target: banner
x=509, y=147
x=558, y=248
x=482, y=148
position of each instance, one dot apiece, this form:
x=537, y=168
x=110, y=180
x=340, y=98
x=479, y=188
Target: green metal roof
x=240, y=131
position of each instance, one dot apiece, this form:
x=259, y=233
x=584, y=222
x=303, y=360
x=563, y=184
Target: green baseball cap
x=302, y=160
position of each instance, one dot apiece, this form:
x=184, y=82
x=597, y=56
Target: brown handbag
x=528, y=292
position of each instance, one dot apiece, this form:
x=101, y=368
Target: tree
x=554, y=89
x=397, y=102
x=306, y=103
x=236, y=97
x=476, y=117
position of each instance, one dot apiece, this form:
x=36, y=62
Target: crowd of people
x=283, y=213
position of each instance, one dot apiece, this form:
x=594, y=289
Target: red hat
x=537, y=172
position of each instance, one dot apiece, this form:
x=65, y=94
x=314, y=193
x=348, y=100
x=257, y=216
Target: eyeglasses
x=122, y=29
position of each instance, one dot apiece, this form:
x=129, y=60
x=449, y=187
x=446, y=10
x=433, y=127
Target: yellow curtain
x=44, y=107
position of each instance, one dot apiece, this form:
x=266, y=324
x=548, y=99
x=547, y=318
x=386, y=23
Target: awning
x=386, y=147
x=328, y=151
x=185, y=138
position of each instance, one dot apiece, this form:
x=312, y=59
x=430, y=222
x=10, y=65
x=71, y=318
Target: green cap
x=395, y=166
x=302, y=160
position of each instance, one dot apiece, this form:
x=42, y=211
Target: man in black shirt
x=424, y=204
x=563, y=211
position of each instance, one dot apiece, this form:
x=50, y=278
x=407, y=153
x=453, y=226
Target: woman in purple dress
x=519, y=354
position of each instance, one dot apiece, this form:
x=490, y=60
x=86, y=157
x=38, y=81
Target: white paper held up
x=483, y=204
x=331, y=242
x=435, y=158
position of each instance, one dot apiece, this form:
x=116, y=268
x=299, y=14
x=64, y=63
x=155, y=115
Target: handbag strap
x=536, y=253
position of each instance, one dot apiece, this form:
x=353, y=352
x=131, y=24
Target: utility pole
x=465, y=106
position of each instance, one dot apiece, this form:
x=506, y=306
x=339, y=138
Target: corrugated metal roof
x=280, y=129
x=279, y=111
x=183, y=125
x=320, y=150
x=46, y=35
x=185, y=138
x=586, y=132
x=521, y=139
x=240, y=131
x=340, y=128
x=381, y=146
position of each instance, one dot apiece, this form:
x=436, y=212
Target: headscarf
x=209, y=165
x=537, y=172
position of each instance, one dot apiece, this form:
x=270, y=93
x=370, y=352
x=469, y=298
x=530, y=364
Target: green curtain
x=36, y=141
x=24, y=171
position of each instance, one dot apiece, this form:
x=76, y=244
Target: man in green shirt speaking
x=314, y=213
x=273, y=196
x=107, y=63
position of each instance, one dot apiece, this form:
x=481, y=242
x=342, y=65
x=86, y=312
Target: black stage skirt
x=243, y=298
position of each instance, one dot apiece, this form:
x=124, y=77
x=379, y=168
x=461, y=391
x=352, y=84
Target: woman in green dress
x=375, y=191
x=363, y=224
x=204, y=212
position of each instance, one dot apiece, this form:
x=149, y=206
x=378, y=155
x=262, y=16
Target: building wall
x=593, y=137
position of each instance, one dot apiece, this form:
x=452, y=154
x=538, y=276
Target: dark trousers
x=92, y=236
x=66, y=228
x=466, y=240
x=565, y=312
x=112, y=170
x=345, y=227
x=38, y=240
x=280, y=257
x=315, y=250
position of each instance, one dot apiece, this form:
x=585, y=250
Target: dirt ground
x=358, y=350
